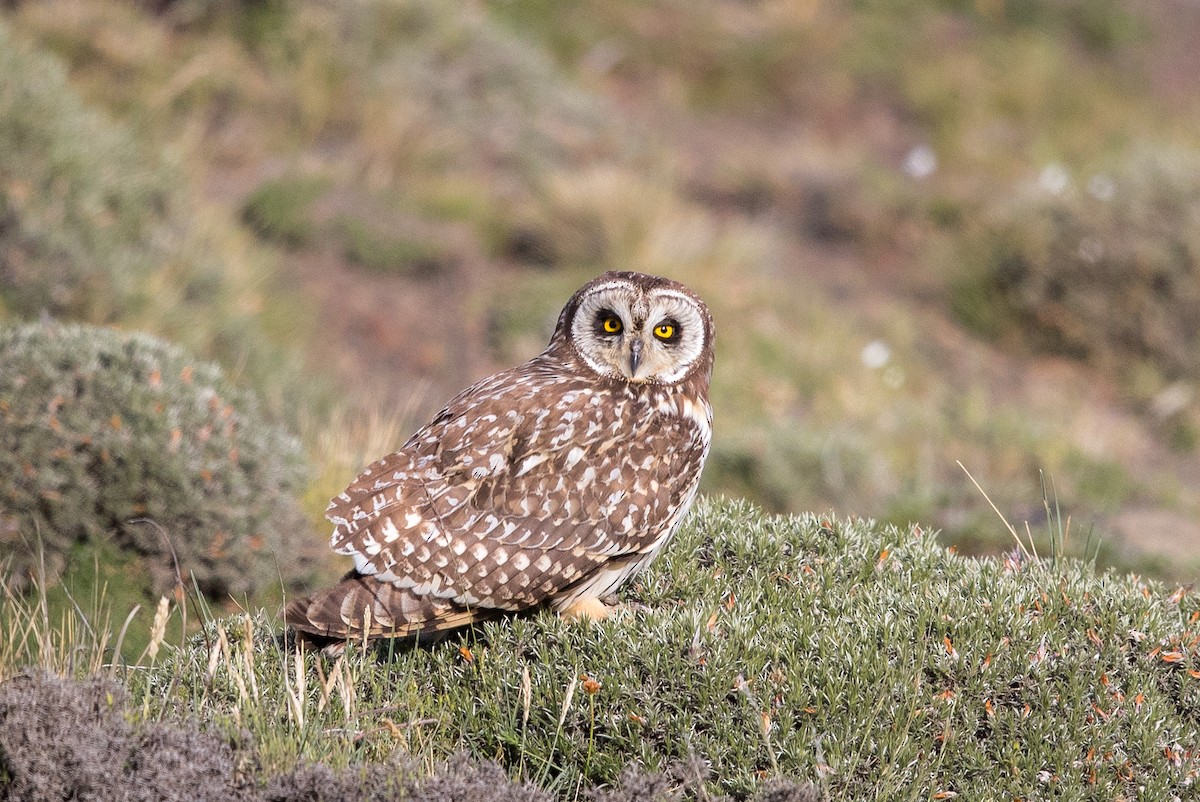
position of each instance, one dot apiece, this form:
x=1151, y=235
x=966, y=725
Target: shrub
x=1106, y=272
x=107, y=435
x=78, y=199
x=66, y=740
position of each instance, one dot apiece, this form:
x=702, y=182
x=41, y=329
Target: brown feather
x=340, y=612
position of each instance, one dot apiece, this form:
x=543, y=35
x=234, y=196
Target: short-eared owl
x=552, y=482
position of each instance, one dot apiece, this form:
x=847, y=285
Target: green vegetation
x=97, y=228
x=285, y=211
x=390, y=252
x=896, y=211
x=280, y=210
x=115, y=438
x=1101, y=270
x=864, y=658
x=80, y=205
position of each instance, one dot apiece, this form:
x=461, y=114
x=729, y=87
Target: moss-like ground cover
x=866, y=659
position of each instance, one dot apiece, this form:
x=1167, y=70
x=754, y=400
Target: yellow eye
x=612, y=324
x=664, y=331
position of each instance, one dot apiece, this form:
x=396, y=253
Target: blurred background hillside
x=931, y=231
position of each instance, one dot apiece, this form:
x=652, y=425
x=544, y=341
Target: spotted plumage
x=552, y=482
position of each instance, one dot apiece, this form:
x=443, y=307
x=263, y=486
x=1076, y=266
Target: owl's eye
x=612, y=324
x=664, y=331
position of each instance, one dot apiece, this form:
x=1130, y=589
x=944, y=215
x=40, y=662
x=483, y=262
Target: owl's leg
x=584, y=607
x=615, y=605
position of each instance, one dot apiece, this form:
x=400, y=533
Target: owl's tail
x=361, y=606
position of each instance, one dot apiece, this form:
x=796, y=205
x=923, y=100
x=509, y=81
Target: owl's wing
x=518, y=490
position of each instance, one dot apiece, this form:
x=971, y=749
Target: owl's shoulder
x=480, y=426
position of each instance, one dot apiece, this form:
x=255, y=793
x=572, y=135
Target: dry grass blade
x=1031, y=550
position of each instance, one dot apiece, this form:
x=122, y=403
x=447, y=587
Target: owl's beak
x=635, y=357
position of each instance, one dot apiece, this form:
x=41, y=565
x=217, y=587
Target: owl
x=548, y=484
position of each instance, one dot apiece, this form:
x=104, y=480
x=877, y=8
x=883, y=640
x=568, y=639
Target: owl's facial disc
x=623, y=331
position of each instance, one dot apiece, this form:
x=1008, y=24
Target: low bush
x=1104, y=270
x=67, y=740
x=79, y=201
x=867, y=659
x=106, y=435
x=280, y=210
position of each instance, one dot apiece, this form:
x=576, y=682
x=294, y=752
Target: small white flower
x=1172, y=400
x=1091, y=250
x=1054, y=178
x=921, y=162
x=876, y=354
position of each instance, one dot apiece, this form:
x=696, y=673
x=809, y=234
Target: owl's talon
x=594, y=609
x=614, y=603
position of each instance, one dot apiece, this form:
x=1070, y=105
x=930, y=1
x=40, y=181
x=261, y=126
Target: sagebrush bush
x=72, y=740
x=68, y=740
x=115, y=436
x=1105, y=270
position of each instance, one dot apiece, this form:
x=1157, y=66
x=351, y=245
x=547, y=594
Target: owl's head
x=638, y=328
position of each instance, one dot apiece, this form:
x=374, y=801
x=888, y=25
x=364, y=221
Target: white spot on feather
x=389, y=530
x=529, y=463
x=573, y=458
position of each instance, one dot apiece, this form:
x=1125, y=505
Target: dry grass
x=71, y=642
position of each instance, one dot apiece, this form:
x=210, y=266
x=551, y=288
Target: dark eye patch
x=608, y=323
x=668, y=330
